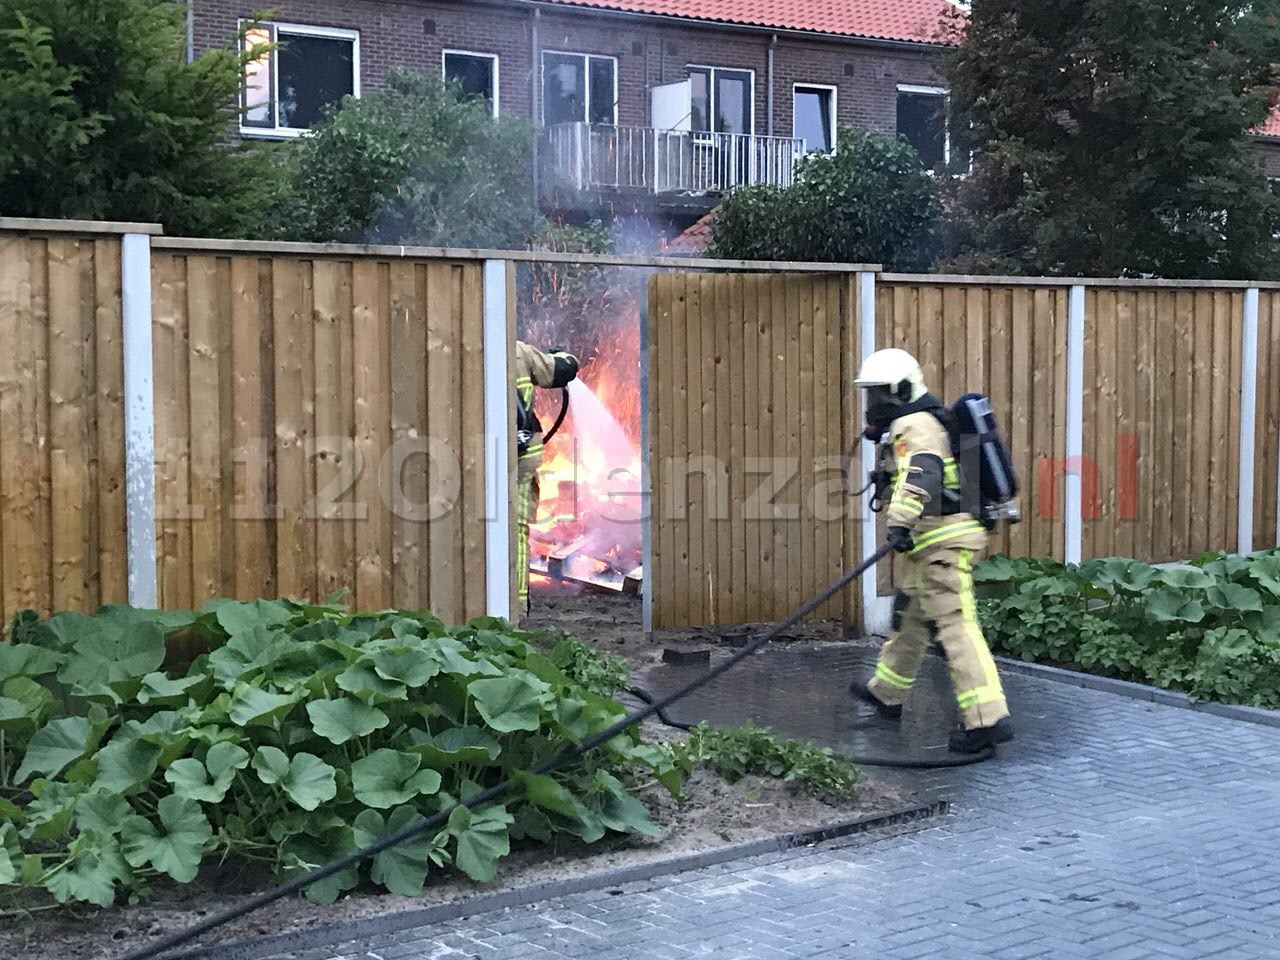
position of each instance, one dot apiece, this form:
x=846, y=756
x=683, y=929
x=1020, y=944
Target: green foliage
x=1210, y=628
x=870, y=202
x=733, y=754
x=412, y=164
x=102, y=118
x=306, y=732
x=1114, y=138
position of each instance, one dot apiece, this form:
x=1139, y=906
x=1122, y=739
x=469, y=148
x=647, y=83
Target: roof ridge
x=907, y=21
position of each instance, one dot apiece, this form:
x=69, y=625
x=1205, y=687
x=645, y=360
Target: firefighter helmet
x=894, y=374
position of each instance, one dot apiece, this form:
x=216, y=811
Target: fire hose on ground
x=654, y=707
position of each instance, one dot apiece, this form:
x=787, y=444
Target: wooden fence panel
x=62, y=526
x=1162, y=391
x=1267, y=424
x=1010, y=343
x=747, y=377
x=317, y=416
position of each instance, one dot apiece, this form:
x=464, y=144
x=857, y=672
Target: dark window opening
x=721, y=100
x=290, y=87
x=814, y=118
x=475, y=75
x=579, y=89
x=927, y=121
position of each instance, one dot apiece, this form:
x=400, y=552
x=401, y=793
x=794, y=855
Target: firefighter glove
x=900, y=539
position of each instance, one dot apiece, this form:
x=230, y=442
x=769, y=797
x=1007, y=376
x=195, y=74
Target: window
x=814, y=116
x=475, y=73
x=577, y=88
x=926, y=121
x=286, y=90
x=723, y=100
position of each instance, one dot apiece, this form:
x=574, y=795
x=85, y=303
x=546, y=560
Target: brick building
x=651, y=106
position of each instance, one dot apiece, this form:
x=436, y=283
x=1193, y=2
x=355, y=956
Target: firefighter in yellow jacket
x=534, y=368
x=932, y=522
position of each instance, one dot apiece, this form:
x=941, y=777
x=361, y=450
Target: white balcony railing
x=589, y=156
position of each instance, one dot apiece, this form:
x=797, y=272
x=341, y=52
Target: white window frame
x=444, y=57
x=706, y=136
x=945, y=93
x=835, y=103
x=586, y=82
x=306, y=30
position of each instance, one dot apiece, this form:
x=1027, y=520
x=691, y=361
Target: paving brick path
x=1109, y=829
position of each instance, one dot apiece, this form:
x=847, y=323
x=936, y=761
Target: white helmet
x=895, y=372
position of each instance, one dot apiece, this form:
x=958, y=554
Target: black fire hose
x=564, y=409
x=302, y=881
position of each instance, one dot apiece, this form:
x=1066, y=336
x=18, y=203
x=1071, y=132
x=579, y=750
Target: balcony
x=669, y=164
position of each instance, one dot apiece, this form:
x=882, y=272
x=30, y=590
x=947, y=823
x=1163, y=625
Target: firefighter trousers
x=526, y=510
x=939, y=592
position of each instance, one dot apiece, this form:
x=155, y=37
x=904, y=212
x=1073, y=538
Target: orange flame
x=590, y=489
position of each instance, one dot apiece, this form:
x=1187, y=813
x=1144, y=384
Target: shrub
x=412, y=164
x=870, y=202
x=1210, y=628
x=102, y=118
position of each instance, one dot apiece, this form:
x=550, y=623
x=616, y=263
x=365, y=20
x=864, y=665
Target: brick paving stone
x=1110, y=828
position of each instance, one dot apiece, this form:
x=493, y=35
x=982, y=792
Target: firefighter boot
x=978, y=739
x=860, y=690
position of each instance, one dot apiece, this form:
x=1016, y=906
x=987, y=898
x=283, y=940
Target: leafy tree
x=1114, y=138
x=870, y=202
x=101, y=118
x=414, y=164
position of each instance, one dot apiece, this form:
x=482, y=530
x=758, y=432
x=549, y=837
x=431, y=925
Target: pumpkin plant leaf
x=341, y=720
x=176, y=847
x=512, y=702
x=90, y=873
x=54, y=746
x=483, y=837
x=310, y=781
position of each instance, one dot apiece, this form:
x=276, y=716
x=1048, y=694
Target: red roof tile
x=911, y=20
x=694, y=240
x=1271, y=128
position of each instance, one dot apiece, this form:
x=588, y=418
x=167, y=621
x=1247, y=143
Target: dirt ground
x=614, y=624
x=714, y=813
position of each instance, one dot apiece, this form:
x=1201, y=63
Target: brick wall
x=413, y=34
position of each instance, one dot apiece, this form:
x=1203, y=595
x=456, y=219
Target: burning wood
x=556, y=558
x=588, y=529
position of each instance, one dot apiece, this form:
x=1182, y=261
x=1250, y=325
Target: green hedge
x=1209, y=628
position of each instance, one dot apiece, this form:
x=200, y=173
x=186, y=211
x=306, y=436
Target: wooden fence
x=748, y=429
x=1010, y=343
x=62, y=524
x=1266, y=499
x=300, y=394
x=319, y=419
x=1160, y=394
x=1161, y=421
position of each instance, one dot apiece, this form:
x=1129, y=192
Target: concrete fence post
x=1072, y=530
x=1248, y=420
x=646, y=472
x=877, y=611
x=498, y=394
x=139, y=420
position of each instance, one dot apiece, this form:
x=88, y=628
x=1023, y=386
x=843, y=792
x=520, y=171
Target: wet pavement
x=1110, y=828
x=801, y=691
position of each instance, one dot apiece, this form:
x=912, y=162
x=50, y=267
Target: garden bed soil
x=715, y=813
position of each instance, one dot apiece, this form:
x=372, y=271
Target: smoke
x=592, y=494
